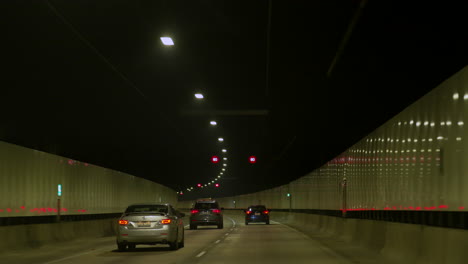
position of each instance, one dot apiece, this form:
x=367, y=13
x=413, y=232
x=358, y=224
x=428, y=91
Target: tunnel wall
x=29, y=183
x=415, y=161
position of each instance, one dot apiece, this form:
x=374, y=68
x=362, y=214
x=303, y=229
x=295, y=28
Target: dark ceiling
x=292, y=82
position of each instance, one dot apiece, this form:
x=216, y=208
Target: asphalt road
x=236, y=243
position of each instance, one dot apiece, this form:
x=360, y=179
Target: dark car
x=257, y=213
x=206, y=212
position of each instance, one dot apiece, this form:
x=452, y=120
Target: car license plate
x=257, y=213
x=144, y=224
x=204, y=213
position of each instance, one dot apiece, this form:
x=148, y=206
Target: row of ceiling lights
x=200, y=96
x=167, y=41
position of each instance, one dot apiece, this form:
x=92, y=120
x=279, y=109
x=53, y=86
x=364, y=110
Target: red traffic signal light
x=215, y=159
x=252, y=159
x=216, y=184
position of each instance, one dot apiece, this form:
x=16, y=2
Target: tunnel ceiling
x=294, y=83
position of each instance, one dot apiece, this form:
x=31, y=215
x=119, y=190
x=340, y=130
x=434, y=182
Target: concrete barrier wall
x=29, y=182
x=395, y=242
x=36, y=235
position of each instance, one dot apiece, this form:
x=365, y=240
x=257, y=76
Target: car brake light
x=123, y=222
x=165, y=221
x=216, y=211
x=265, y=212
x=194, y=211
x=248, y=212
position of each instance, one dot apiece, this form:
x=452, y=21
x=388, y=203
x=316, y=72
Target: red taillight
x=194, y=211
x=248, y=212
x=165, y=221
x=216, y=211
x=123, y=222
x=265, y=212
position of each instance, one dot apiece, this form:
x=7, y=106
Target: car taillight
x=216, y=211
x=194, y=211
x=265, y=212
x=248, y=212
x=123, y=222
x=165, y=221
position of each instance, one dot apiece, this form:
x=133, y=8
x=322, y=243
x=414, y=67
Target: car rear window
x=143, y=208
x=206, y=206
x=257, y=208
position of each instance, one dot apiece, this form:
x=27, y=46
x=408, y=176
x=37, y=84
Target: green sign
x=59, y=190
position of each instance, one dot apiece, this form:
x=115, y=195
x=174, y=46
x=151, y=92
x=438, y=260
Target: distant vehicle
x=257, y=213
x=150, y=224
x=206, y=212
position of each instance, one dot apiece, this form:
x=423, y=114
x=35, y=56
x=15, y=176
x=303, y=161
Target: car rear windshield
x=206, y=206
x=257, y=208
x=143, y=208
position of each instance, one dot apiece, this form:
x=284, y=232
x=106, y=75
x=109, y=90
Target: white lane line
x=201, y=254
x=186, y=226
x=227, y=234
x=217, y=241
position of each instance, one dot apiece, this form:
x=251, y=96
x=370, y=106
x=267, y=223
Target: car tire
x=174, y=245
x=267, y=222
x=131, y=247
x=246, y=223
x=193, y=227
x=182, y=242
x=220, y=226
x=121, y=247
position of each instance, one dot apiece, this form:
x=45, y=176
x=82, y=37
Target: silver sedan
x=150, y=224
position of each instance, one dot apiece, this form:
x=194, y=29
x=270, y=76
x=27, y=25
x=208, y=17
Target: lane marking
x=201, y=254
x=227, y=234
x=217, y=241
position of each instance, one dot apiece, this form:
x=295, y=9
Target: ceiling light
x=224, y=158
x=220, y=139
x=224, y=150
x=167, y=41
x=213, y=123
x=199, y=96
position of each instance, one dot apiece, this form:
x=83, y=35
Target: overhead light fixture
x=224, y=158
x=213, y=123
x=199, y=96
x=167, y=41
x=224, y=150
x=220, y=139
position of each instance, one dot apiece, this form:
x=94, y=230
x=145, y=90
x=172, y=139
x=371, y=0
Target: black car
x=257, y=213
x=206, y=212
